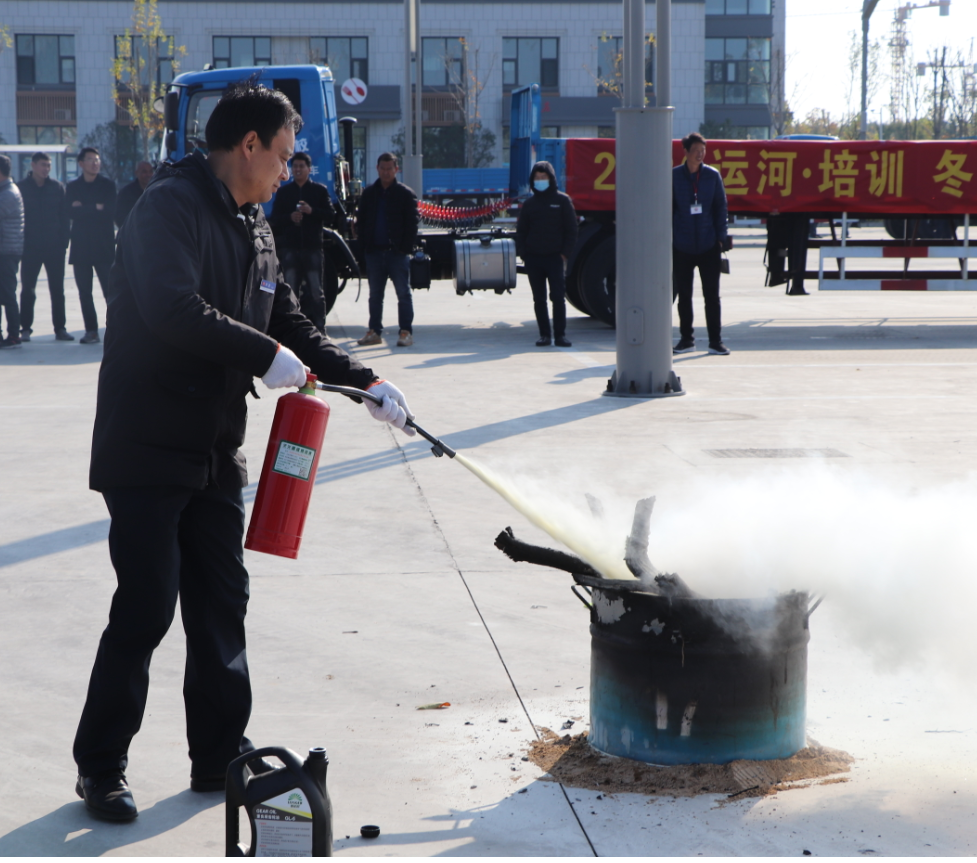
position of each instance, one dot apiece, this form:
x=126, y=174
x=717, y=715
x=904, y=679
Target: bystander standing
x=11, y=248
x=699, y=237
x=91, y=204
x=386, y=224
x=46, y=231
x=546, y=233
x=300, y=211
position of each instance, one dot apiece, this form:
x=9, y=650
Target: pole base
x=672, y=387
x=667, y=395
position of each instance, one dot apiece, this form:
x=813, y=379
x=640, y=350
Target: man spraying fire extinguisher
x=199, y=309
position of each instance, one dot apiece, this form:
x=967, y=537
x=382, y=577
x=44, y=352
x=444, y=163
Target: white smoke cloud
x=897, y=564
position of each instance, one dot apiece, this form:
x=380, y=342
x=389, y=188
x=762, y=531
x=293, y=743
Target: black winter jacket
x=307, y=234
x=547, y=222
x=402, y=216
x=46, y=221
x=92, y=229
x=128, y=195
x=199, y=306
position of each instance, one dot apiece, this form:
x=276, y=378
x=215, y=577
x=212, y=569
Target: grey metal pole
x=663, y=54
x=868, y=7
x=417, y=170
x=412, y=118
x=644, y=221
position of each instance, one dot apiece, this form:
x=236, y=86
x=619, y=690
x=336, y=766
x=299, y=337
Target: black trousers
x=169, y=541
x=542, y=269
x=85, y=282
x=30, y=268
x=683, y=272
x=302, y=263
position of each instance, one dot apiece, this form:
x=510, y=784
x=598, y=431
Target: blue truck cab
x=193, y=95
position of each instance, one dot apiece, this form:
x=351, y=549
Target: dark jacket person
x=300, y=211
x=132, y=192
x=546, y=234
x=46, y=232
x=199, y=311
x=699, y=236
x=386, y=224
x=91, y=205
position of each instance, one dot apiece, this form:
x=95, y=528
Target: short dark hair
x=5, y=166
x=40, y=157
x=692, y=138
x=85, y=151
x=248, y=106
x=302, y=157
x=387, y=157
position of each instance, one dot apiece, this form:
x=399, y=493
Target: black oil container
x=693, y=681
x=288, y=806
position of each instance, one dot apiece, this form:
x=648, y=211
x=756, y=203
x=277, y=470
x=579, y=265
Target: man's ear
x=250, y=143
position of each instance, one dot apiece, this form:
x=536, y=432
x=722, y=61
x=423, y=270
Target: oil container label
x=293, y=459
x=283, y=826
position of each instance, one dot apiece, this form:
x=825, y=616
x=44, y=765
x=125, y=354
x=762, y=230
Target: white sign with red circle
x=353, y=90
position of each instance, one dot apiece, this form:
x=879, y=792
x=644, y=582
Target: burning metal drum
x=692, y=681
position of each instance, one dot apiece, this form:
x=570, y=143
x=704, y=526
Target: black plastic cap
x=369, y=831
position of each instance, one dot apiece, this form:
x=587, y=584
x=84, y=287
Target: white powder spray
x=898, y=565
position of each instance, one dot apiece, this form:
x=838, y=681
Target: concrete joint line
x=481, y=617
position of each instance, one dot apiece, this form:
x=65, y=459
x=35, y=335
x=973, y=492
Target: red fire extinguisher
x=288, y=475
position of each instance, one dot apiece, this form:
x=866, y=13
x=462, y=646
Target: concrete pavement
x=399, y=598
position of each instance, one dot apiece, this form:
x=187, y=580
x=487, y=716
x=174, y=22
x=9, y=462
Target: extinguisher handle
x=439, y=448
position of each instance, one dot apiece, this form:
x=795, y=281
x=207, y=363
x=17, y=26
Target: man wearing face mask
x=546, y=233
x=699, y=237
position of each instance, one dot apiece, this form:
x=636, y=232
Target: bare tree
x=612, y=80
x=851, y=119
x=466, y=82
x=146, y=60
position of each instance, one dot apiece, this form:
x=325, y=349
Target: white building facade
x=56, y=83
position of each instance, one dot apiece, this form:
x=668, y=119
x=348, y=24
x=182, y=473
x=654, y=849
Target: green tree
x=146, y=59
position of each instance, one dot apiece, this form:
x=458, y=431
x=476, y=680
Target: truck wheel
x=330, y=283
x=598, y=282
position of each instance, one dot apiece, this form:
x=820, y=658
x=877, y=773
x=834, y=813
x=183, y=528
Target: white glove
x=394, y=409
x=286, y=370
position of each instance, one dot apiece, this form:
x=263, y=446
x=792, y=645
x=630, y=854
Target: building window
x=606, y=132
x=737, y=72
x=610, y=58
x=346, y=56
x=45, y=60
x=241, y=51
x=737, y=7
x=443, y=62
x=137, y=47
x=531, y=61
x=44, y=135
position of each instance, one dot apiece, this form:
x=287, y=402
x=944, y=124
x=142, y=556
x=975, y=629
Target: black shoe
x=543, y=342
x=563, y=342
x=684, y=346
x=25, y=335
x=63, y=336
x=11, y=342
x=718, y=348
x=107, y=796
x=218, y=781
x=90, y=338
x=797, y=291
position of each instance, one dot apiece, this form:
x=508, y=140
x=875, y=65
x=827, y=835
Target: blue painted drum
x=696, y=681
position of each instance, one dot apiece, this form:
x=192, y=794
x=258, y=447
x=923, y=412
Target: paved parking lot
x=399, y=598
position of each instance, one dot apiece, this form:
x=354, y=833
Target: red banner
x=936, y=177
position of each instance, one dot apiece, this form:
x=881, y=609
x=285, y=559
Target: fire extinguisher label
x=294, y=460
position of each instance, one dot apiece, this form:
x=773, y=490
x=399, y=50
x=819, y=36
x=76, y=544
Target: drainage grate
x=776, y=453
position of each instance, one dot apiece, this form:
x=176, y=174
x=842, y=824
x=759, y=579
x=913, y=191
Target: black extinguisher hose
x=439, y=448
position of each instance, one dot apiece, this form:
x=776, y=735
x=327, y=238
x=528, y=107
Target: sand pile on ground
x=572, y=761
